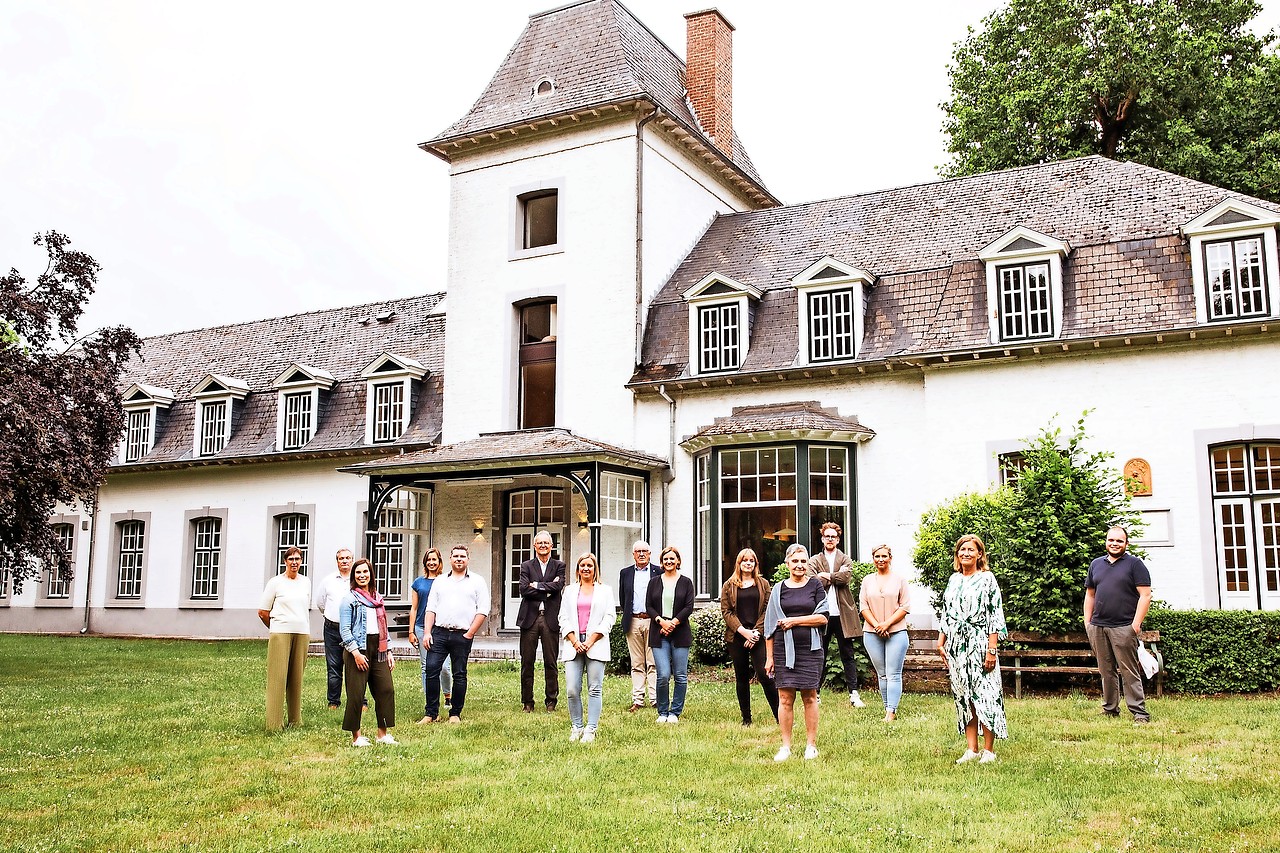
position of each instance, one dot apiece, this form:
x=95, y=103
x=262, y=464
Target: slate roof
x=1128, y=272
x=597, y=52
x=518, y=449
x=809, y=418
x=336, y=341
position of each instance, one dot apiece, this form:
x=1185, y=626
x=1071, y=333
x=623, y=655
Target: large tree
x=60, y=413
x=1181, y=85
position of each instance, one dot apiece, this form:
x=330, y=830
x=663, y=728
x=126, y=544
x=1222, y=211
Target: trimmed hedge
x=1218, y=651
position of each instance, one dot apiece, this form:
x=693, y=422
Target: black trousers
x=845, y=645
x=530, y=638
x=744, y=661
x=378, y=679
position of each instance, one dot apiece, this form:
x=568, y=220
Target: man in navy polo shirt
x=1117, y=596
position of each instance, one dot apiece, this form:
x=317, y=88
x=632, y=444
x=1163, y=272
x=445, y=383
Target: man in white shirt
x=330, y=594
x=456, y=608
x=835, y=569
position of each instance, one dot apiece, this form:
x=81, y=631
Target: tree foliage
x=1181, y=85
x=60, y=411
x=1041, y=533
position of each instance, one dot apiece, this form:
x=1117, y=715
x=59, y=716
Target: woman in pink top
x=884, y=602
x=586, y=615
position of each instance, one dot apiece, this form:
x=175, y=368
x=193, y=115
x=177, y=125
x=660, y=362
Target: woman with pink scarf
x=362, y=622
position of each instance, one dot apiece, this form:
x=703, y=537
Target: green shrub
x=1218, y=651
x=619, y=655
x=1041, y=533
x=708, y=627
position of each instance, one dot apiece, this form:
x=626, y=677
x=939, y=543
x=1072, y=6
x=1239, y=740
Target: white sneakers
x=589, y=736
x=969, y=755
x=388, y=740
x=361, y=741
x=810, y=752
x=575, y=735
x=668, y=718
x=855, y=700
x=783, y=754
x=986, y=757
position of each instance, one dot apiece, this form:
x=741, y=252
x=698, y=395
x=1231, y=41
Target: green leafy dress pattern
x=971, y=613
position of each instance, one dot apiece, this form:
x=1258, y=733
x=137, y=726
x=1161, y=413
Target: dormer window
x=389, y=382
x=544, y=87
x=216, y=398
x=142, y=407
x=298, y=406
x=831, y=297
x=1024, y=285
x=719, y=323
x=1233, y=262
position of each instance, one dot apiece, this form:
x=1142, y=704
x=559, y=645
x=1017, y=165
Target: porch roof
x=772, y=421
x=505, y=453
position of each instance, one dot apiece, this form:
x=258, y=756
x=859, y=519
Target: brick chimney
x=709, y=74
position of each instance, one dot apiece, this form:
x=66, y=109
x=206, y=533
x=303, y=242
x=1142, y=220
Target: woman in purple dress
x=795, y=618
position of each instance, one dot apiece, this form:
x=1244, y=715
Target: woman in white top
x=586, y=616
x=285, y=610
x=884, y=601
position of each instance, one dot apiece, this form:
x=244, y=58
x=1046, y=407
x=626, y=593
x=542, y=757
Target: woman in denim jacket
x=362, y=623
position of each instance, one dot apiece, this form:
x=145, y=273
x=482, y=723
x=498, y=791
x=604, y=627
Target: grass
x=159, y=745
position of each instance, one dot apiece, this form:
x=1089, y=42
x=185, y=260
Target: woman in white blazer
x=586, y=615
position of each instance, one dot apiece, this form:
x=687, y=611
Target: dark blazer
x=548, y=595
x=682, y=636
x=627, y=589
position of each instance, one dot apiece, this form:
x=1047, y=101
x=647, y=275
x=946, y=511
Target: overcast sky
x=236, y=160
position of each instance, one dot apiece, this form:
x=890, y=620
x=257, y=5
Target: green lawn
x=153, y=745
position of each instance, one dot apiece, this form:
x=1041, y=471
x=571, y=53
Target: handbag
x=1150, y=665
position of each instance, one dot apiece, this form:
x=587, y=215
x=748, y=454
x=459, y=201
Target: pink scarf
x=380, y=608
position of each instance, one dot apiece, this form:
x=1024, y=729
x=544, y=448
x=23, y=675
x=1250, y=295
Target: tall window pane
x=129, y=568
x=206, y=557
x=388, y=411
x=213, y=424
x=293, y=530
x=297, y=420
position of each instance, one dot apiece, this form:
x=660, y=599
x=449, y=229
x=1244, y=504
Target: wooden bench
x=1036, y=653
x=1027, y=652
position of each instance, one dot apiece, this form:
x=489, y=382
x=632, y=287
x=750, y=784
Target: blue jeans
x=887, y=656
x=670, y=660
x=333, y=661
x=573, y=671
x=446, y=671
x=454, y=647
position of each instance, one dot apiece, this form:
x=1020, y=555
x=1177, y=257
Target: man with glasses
x=542, y=580
x=834, y=568
x=456, y=608
x=633, y=585
x=1117, y=595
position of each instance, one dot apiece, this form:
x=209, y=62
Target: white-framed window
x=137, y=435
x=403, y=532
x=537, y=219
x=537, y=363
x=1010, y=466
x=58, y=588
x=206, y=558
x=1245, y=481
x=299, y=388
x=298, y=419
x=719, y=338
x=142, y=406
x=1235, y=279
x=1024, y=285
x=621, y=499
x=388, y=411
x=389, y=387
x=213, y=427
x=216, y=400
x=293, y=530
x=1025, y=301
x=831, y=299
x=130, y=559
x=1234, y=262
x=719, y=324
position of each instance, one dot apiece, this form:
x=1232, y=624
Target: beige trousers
x=642, y=667
x=286, y=656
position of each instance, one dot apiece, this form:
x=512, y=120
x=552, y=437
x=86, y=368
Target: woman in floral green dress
x=972, y=623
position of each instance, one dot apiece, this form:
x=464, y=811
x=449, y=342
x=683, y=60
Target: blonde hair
x=881, y=548
x=672, y=549
x=595, y=567
x=982, y=551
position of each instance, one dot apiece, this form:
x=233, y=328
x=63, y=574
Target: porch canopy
x=550, y=452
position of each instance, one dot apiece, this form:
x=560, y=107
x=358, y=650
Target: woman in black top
x=742, y=603
x=669, y=601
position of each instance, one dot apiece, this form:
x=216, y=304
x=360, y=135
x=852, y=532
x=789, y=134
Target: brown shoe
x=426, y=720
x=455, y=719
x=528, y=707
x=635, y=708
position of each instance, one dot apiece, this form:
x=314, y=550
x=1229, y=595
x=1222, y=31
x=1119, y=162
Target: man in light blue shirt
x=633, y=585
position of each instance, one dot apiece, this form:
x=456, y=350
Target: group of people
x=777, y=635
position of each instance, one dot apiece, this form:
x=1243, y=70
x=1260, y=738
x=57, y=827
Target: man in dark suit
x=542, y=582
x=635, y=624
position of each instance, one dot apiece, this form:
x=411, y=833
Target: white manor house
x=637, y=340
